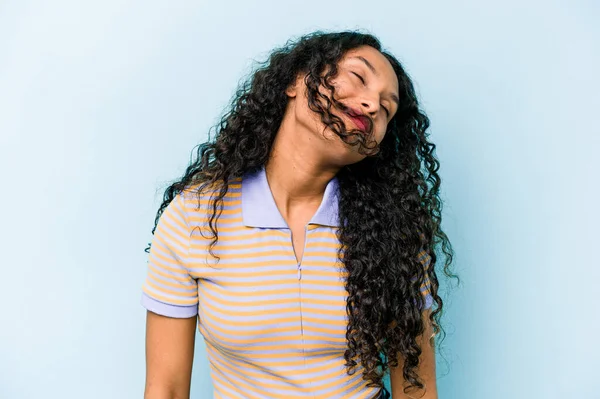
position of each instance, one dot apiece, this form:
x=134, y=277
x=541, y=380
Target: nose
x=370, y=105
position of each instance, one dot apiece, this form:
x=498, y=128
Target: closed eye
x=360, y=77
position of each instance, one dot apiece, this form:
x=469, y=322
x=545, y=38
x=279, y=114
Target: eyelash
x=363, y=82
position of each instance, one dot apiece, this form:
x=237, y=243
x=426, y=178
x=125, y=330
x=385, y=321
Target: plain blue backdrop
x=102, y=102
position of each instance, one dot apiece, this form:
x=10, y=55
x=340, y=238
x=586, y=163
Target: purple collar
x=259, y=208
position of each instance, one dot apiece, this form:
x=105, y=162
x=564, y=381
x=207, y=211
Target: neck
x=297, y=177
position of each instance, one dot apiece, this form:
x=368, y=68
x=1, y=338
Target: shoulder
x=199, y=198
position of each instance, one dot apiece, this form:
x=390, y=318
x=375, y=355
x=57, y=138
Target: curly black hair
x=389, y=208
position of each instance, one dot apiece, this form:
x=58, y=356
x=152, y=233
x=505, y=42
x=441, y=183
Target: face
x=366, y=85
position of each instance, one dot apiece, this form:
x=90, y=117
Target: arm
x=426, y=368
x=169, y=356
x=170, y=295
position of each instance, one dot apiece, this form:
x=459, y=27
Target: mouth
x=359, y=119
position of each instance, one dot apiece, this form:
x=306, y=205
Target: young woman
x=301, y=241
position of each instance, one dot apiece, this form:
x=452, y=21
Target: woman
x=302, y=239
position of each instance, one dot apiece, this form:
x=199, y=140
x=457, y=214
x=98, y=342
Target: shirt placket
x=300, y=296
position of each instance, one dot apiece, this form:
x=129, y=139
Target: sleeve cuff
x=165, y=309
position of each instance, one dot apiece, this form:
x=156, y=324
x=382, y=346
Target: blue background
x=101, y=104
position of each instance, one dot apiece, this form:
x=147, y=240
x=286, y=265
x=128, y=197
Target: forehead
x=383, y=68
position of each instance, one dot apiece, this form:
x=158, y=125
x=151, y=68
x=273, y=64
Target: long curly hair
x=389, y=207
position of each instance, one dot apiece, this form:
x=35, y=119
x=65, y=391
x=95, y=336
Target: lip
x=358, y=118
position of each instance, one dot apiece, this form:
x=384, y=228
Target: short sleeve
x=425, y=260
x=169, y=289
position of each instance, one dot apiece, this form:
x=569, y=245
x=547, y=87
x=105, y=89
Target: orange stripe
x=254, y=255
x=178, y=270
x=274, y=291
x=169, y=276
x=226, y=203
x=322, y=244
x=252, y=265
x=233, y=229
x=171, y=292
x=166, y=282
x=272, y=243
x=335, y=265
x=322, y=235
x=221, y=221
x=250, y=234
x=211, y=273
x=324, y=273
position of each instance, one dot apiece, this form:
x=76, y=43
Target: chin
x=344, y=155
x=339, y=152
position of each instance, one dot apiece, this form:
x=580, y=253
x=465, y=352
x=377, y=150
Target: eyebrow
x=393, y=96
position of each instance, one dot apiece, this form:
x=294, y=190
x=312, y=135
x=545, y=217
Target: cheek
x=380, y=132
x=343, y=88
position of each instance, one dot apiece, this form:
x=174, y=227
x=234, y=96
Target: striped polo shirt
x=273, y=327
